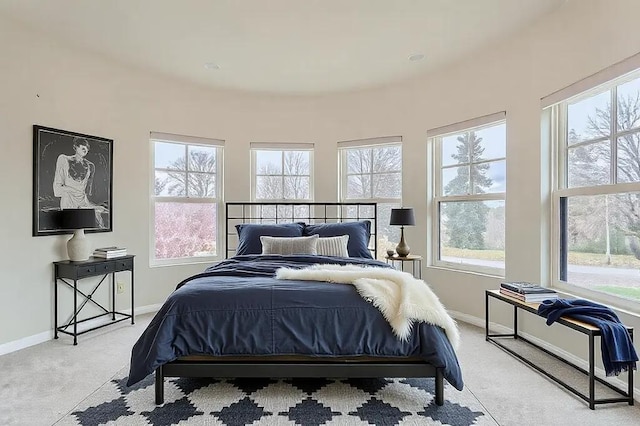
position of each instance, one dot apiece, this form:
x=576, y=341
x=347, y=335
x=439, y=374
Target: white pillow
x=289, y=245
x=333, y=246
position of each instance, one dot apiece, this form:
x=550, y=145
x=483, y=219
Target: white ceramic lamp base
x=78, y=247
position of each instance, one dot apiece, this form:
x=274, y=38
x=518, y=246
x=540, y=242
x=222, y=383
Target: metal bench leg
x=486, y=316
x=592, y=382
x=630, y=377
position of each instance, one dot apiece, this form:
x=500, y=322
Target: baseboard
x=45, y=336
x=146, y=309
x=499, y=328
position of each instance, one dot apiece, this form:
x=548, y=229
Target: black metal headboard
x=283, y=212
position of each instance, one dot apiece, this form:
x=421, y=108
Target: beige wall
x=42, y=82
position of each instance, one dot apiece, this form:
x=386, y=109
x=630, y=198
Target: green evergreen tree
x=466, y=222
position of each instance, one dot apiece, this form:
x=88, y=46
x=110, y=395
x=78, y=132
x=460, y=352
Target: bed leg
x=159, y=386
x=439, y=387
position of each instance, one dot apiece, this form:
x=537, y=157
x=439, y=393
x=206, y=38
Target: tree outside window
x=282, y=175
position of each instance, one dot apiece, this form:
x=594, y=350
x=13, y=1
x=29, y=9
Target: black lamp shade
x=402, y=217
x=77, y=218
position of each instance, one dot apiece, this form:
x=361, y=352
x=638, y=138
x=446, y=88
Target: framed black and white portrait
x=70, y=170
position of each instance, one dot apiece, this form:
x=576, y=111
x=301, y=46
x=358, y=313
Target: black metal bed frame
x=227, y=368
x=254, y=212
x=626, y=396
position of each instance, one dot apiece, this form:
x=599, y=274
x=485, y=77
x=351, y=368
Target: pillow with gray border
x=289, y=245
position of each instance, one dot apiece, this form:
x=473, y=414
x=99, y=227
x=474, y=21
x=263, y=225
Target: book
x=108, y=249
x=529, y=298
x=524, y=287
x=109, y=252
x=109, y=255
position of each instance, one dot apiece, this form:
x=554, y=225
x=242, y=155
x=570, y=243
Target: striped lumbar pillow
x=333, y=246
x=289, y=245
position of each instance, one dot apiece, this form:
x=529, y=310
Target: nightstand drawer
x=123, y=264
x=105, y=268
x=85, y=271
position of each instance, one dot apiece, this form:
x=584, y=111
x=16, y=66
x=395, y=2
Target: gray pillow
x=289, y=245
x=333, y=246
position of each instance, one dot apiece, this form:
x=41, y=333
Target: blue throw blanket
x=618, y=353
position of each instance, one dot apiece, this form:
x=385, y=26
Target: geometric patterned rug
x=308, y=402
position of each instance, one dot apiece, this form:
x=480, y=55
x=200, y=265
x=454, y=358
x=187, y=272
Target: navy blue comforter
x=237, y=308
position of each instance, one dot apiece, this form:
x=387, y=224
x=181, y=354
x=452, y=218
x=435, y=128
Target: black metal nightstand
x=93, y=267
x=416, y=261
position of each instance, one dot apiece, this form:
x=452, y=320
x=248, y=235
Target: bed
x=242, y=318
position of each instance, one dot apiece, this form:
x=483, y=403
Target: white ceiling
x=285, y=46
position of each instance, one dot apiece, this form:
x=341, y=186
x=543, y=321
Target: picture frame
x=71, y=170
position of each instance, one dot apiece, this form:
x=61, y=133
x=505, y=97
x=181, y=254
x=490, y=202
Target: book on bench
x=530, y=297
x=524, y=287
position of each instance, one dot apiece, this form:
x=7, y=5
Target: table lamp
x=78, y=247
x=402, y=217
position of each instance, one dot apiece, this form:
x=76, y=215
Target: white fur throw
x=400, y=297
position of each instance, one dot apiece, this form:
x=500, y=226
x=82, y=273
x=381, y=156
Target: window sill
x=154, y=263
x=487, y=273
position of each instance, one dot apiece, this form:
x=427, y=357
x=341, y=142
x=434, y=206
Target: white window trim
x=153, y=199
x=283, y=147
x=434, y=137
x=592, y=82
x=370, y=142
x=555, y=107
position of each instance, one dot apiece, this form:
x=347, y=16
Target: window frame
x=282, y=147
x=218, y=200
x=370, y=143
x=434, y=140
x=556, y=115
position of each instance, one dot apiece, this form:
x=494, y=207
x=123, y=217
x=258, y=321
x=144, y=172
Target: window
x=371, y=170
x=596, y=197
x=186, y=194
x=282, y=172
x=468, y=207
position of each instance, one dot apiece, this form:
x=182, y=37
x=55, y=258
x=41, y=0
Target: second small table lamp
x=402, y=217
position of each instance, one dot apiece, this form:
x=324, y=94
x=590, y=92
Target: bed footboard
x=298, y=369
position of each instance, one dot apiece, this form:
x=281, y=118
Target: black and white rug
x=308, y=402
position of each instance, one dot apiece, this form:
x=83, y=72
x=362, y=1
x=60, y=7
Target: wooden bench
x=581, y=327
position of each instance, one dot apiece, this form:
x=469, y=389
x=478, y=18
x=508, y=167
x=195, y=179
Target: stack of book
x=110, y=252
x=527, y=292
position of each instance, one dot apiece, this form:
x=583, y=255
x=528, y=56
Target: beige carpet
x=43, y=384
